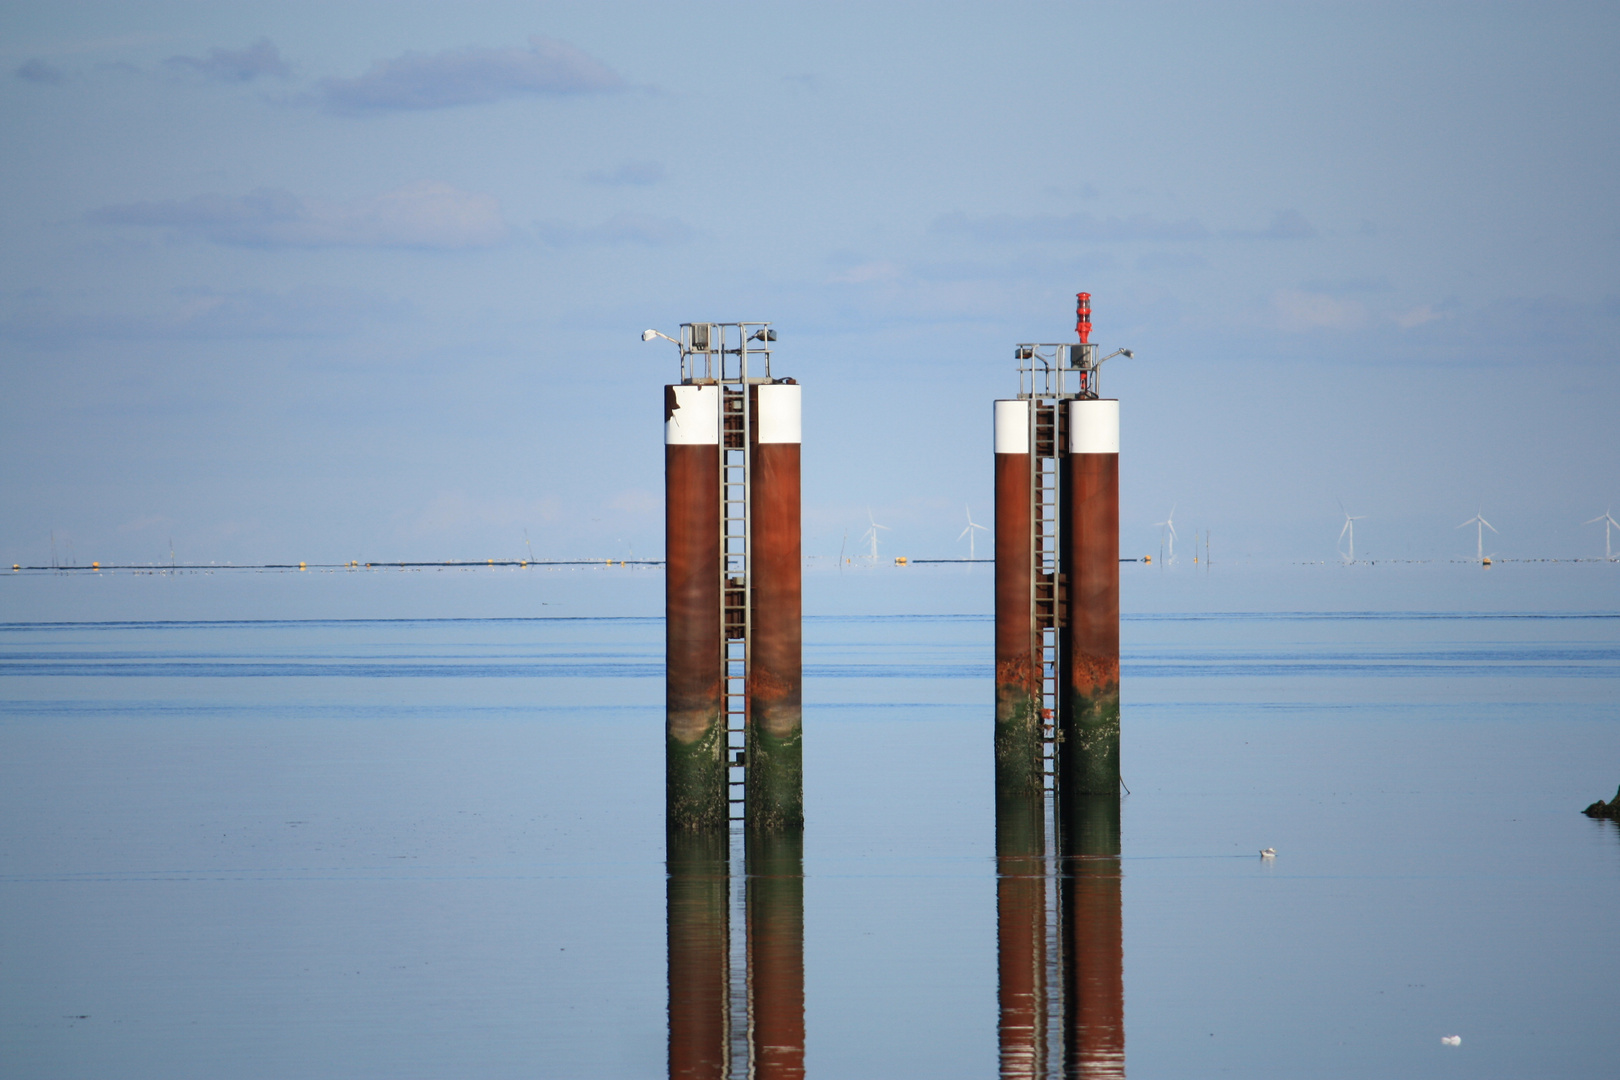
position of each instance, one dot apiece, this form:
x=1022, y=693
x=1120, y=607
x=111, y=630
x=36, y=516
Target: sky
x=331, y=281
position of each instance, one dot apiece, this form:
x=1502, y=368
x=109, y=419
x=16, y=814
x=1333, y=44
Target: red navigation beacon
x=1082, y=317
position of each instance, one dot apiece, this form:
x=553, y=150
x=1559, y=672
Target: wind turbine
x=1350, y=528
x=968, y=532
x=1482, y=524
x=872, y=533
x=1170, y=524
x=1609, y=524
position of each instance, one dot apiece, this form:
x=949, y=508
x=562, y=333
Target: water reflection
x=1059, y=937
x=736, y=1002
x=699, y=948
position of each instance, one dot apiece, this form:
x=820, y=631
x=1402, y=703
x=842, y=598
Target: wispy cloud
x=1285, y=225
x=630, y=174
x=450, y=510
x=35, y=70
x=1296, y=311
x=867, y=273
x=1087, y=228
x=1423, y=313
x=1171, y=261
x=1379, y=284
x=1082, y=190
x=427, y=215
x=470, y=76
x=235, y=65
x=620, y=229
x=804, y=83
x=1548, y=325
x=636, y=501
x=208, y=314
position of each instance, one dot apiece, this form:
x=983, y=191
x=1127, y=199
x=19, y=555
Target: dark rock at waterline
x=1601, y=809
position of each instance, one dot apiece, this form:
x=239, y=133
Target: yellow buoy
x=300, y=566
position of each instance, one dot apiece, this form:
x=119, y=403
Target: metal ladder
x=1049, y=420
x=736, y=632
x=1051, y=600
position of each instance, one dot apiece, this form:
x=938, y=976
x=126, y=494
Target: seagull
x=1451, y=1040
x=1268, y=853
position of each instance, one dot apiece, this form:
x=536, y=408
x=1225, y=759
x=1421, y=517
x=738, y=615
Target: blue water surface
x=417, y=847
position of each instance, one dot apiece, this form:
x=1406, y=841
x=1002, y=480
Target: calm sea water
x=432, y=848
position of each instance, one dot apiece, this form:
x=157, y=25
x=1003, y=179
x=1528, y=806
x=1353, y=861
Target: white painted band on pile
x=778, y=413
x=1094, y=427
x=695, y=419
x=1012, y=427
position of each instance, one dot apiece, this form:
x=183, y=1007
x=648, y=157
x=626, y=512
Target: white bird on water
x=1451, y=1040
x=1268, y=853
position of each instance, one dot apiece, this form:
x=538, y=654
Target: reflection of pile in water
x=1061, y=981
x=1601, y=809
x=722, y=1018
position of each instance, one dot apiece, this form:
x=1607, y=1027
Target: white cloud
x=1298, y=311
x=422, y=215
x=1418, y=316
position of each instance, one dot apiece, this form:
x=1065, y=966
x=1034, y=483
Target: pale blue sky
x=332, y=281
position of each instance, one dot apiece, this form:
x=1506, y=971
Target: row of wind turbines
x=1480, y=525
x=1346, y=541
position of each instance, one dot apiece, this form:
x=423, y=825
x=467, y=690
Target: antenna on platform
x=1169, y=524
x=1063, y=370
x=1609, y=525
x=1482, y=524
x=872, y=533
x=1350, y=530
x=968, y=532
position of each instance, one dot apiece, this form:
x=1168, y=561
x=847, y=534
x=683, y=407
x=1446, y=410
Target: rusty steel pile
x=733, y=589
x=1057, y=572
